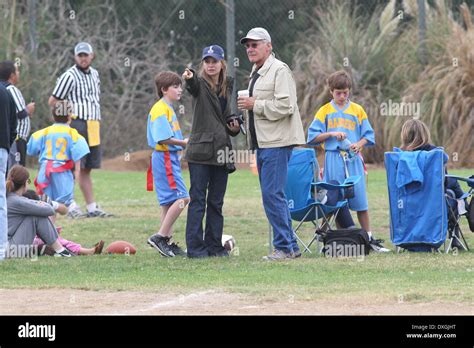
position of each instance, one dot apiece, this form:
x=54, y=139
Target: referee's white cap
x=83, y=47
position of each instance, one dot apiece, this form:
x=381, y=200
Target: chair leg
x=456, y=234
x=448, y=248
x=465, y=245
x=305, y=247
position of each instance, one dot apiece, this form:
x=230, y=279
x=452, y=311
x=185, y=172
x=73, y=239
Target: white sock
x=55, y=205
x=72, y=206
x=91, y=207
x=461, y=207
x=370, y=234
x=60, y=250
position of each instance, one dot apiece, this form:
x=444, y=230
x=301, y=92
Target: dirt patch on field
x=138, y=162
x=134, y=161
x=209, y=302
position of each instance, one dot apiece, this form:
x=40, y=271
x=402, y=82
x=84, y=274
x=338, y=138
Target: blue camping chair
x=419, y=213
x=303, y=189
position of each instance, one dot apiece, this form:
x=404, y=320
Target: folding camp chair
x=303, y=190
x=454, y=229
x=419, y=213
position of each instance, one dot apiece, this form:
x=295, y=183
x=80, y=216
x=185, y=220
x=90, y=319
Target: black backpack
x=346, y=243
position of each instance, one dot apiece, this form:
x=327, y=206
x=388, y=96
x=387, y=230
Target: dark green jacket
x=209, y=136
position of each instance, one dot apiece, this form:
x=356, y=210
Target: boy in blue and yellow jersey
x=344, y=129
x=165, y=137
x=59, y=149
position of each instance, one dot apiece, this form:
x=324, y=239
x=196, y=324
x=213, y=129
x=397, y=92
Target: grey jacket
x=209, y=135
x=276, y=114
x=19, y=208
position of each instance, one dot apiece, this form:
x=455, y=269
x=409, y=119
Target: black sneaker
x=376, y=245
x=222, y=253
x=161, y=244
x=457, y=245
x=65, y=253
x=177, y=251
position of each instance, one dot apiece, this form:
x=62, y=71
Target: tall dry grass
x=381, y=53
x=357, y=44
x=445, y=86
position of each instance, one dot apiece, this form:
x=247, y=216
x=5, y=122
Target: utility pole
x=422, y=30
x=230, y=44
x=33, y=43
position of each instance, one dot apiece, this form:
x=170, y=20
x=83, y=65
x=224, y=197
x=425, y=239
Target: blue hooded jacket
x=418, y=212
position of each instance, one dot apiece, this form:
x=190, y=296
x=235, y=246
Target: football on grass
x=120, y=247
x=228, y=242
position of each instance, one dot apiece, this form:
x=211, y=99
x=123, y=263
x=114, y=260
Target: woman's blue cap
x=214, y=51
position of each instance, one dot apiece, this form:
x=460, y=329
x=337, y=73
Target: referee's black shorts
x=94, y=158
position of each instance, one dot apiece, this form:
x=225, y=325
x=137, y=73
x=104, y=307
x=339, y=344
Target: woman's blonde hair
x=17, y=177
x=221, y=86
x=415, y=133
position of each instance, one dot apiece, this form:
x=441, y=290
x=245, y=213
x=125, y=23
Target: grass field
x=391, y=278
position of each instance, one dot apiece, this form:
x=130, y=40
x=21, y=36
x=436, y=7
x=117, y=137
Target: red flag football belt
x=69, y=165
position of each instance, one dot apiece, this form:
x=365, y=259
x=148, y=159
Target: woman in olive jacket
x=206, y=152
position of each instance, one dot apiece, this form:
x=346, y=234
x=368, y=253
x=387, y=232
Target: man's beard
x=83, y=69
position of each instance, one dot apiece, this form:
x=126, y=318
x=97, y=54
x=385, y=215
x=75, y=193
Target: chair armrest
x=349, y=182
x=469, y=181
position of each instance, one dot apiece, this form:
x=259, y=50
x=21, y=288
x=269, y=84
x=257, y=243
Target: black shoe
x=222, y=253
x=457, y=245
x=177, y=251
x=65, y=253
x=161, y=244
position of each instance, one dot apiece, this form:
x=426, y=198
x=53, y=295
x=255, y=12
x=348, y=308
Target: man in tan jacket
x=274, y=128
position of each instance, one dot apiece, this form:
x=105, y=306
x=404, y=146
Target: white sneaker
x=376, y=245
x=76, y=213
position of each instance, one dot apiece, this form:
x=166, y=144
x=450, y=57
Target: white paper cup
x=243, y=93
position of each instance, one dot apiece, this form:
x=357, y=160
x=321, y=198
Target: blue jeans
x=208, y=186
x=3, y=204
x=272, y=167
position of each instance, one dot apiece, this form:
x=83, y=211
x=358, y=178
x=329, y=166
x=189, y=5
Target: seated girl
x=415, y=136
x=74, y=247
x=28, y=218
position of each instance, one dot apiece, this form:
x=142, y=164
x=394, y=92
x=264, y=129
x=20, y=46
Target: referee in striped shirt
x=80, y=84
x=9, y=77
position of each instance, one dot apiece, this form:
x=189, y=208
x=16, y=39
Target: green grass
x=413, y=276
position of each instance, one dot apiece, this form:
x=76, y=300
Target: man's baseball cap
x=214, y=51
x=256, y=34
x=83, y=47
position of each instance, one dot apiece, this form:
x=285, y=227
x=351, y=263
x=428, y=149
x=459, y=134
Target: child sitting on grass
x=76, y=248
